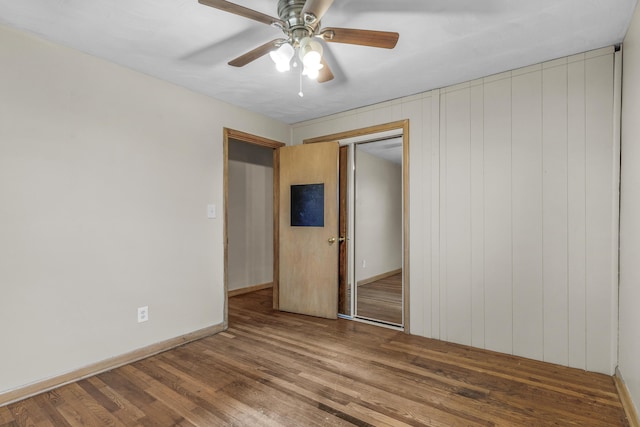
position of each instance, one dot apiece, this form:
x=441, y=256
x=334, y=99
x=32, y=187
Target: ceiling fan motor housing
x=299, y=26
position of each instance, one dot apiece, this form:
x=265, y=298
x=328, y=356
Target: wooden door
x=344, y=293
x=308, y=256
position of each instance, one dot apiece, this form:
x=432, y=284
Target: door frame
x=237, y=135
x=397, y=125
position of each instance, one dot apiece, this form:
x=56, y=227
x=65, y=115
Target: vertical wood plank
x=577, y=192
x=614, y=242
x=599, y=136
x=577, y=213
x=434, y=243
x=497, y=216
x=457, y=215
x=477, y=213
x=555, y=183
x=420, y=274
x=442, y=215
x=412, y=110
x=526, y=193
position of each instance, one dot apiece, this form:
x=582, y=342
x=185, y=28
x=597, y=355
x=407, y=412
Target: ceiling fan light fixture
x=300, y=21
x=282, y=57
x=312, y=73
x=310, y=53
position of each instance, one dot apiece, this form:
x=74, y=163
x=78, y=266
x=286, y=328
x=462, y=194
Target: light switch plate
x=211, y=211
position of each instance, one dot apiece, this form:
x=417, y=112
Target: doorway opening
x=374, y=220
x=354, y=143
x=250, y=213
x=377, y=218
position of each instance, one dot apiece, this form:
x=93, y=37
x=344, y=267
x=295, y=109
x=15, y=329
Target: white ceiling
x=442, y=42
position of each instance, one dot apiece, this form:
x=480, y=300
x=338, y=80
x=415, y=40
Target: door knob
x=332, y=240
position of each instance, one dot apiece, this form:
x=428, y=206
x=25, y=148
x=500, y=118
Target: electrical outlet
x=364, y=263
x=143, y=314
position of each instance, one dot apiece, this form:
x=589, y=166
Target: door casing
x=266, y=142
x=402, y=125
x=231, y=134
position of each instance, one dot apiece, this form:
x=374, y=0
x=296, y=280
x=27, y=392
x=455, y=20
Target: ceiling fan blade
x=325, y=74
x=383, y=39
x=315, y=9
x=256, y=53
x=242, y=11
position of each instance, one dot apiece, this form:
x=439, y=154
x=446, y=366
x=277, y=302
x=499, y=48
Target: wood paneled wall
x=629, y=329
x=514, y=195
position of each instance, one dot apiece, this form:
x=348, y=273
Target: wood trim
x=404, y=125
x=263, y=142
x=627, y=403
x=358, y=132
x=249, y=289
x=406, y=297
x=344, y=298
x=225, y=225
x=106, y=365
x=276, y=229
x=379, y=277
x=252, y=139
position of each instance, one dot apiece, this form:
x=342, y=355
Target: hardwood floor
x=274, y=368
x=381, y=300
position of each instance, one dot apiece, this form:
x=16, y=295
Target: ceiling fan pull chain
x=300, y=94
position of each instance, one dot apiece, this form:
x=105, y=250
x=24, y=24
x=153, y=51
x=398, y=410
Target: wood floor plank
x=86, y=410
x=545, y=375
x=314, y=357
x=124, y=410
x=381, y=300
x=6, y=416
x=521, y=388
x=309, y=358
x=283, y=391
x=28, y=412
x=166, y=393
x=280, y=369
x=548, y=391
x=363, y=364
x=217, y=404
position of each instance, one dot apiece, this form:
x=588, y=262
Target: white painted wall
x=513, y=196
x=250, y=215
x=629, y=364
x=105, y=177
x=378, y=216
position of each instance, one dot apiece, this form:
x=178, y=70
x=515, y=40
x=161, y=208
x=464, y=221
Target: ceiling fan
x=299, y=20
